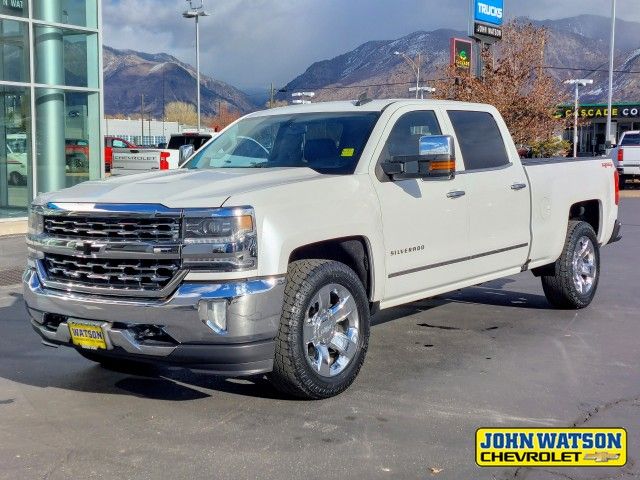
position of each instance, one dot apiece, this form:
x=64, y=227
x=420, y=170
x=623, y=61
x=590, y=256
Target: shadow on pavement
x=25, y=360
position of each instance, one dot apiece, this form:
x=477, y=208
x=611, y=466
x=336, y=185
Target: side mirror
x=436, y=159
x=185, y=153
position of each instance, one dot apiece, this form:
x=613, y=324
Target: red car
x=109, y=144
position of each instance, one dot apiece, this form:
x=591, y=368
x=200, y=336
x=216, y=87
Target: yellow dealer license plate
x=87, y=335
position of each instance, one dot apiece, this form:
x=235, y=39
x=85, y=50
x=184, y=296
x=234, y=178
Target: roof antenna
x=363, y=99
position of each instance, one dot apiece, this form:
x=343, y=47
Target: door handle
x=456, y=194
x=518, y=186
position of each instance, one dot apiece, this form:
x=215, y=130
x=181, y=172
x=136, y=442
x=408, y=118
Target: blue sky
x=250, y=43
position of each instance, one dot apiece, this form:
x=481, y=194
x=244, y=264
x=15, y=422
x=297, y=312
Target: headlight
x=222, y=240
x=36, y=222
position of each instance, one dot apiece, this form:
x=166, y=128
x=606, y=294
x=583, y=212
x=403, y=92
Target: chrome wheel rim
x=330, y=330
x=585, y=269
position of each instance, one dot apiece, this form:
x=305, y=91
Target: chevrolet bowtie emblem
x=601, y=457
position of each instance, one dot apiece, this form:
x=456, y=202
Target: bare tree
x=181, y=112
x=516, y=83
x=223, y=117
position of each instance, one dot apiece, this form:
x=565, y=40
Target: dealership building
x=50, y=99
x=591, y=132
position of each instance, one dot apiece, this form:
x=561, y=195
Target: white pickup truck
x=269, y=251
x=626, y=156
x=128, y=161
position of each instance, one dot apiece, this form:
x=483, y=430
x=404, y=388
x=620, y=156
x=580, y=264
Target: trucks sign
x=485, y=20
x=488, y=11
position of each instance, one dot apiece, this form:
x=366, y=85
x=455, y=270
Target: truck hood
x=181, y=188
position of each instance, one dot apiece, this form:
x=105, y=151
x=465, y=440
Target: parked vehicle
x=127, y=161
x=76, y=155
x=269, y=251
x=626, y=157
x=16, y=160
x=109, y=144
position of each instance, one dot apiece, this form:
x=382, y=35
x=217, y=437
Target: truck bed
x=557, y=183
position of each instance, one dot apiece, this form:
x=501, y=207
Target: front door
x=425, y=222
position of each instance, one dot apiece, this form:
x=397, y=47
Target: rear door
x=425, y=222
x=497, y=191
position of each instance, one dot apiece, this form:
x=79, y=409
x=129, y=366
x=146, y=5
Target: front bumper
x=188, y=336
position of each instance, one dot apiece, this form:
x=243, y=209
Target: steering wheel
x=256, y=142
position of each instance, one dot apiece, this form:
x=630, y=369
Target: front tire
x=576, y=273
x=324, y=330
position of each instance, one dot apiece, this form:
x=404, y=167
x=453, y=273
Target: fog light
x=214, y=315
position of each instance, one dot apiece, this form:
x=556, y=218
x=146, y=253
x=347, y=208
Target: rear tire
x=324, y=330
x=576, y=273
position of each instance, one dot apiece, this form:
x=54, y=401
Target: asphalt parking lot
x=491, y=355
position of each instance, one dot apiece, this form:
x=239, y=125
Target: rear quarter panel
x=556, y=185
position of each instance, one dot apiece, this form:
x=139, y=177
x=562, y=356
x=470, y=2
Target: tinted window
x=326, y=142
x=479, y=139
x=404, y=139
x=631, y=139
x=197, y=141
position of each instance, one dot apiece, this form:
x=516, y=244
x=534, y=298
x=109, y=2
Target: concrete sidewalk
x=13, y=252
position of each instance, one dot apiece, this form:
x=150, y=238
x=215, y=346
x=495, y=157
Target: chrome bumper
x=251, y=310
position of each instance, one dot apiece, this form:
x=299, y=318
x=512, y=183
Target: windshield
x=631, y=139
x=326, y=142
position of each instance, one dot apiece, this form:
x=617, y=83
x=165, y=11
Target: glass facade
x=50, y=98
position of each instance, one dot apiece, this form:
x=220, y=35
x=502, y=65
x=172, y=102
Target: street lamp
x=196, y=11
x=578, y=82
x=612, y=40
x=300, y=97
x=422, y=90
x=414, y=66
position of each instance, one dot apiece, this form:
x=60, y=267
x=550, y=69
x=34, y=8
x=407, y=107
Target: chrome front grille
x=157, y=229
x=124, y=275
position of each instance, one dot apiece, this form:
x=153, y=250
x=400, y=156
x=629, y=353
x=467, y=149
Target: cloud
x=250, y=43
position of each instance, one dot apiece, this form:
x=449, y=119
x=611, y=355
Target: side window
x=404, y=139
x=480, y=141
x=118, y=144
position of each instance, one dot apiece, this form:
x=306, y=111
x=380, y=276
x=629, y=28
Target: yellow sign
x=87, y=335
x=551, y=447
x=348, y=152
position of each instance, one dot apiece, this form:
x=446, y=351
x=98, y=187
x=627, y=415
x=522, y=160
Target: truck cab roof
x=370, y=106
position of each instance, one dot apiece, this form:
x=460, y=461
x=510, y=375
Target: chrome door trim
x=457, y=260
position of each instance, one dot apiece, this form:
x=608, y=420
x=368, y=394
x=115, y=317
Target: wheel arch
x=589, y=211
x=354, y=251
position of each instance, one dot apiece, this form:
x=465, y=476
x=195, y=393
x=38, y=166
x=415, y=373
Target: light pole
x=300, y=97
x=415, y=66
x=578, y=82
x=607, y=141
x=196, y=11
x=422, y=90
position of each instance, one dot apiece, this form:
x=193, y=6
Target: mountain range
x=162, y=78
x=576, y=47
